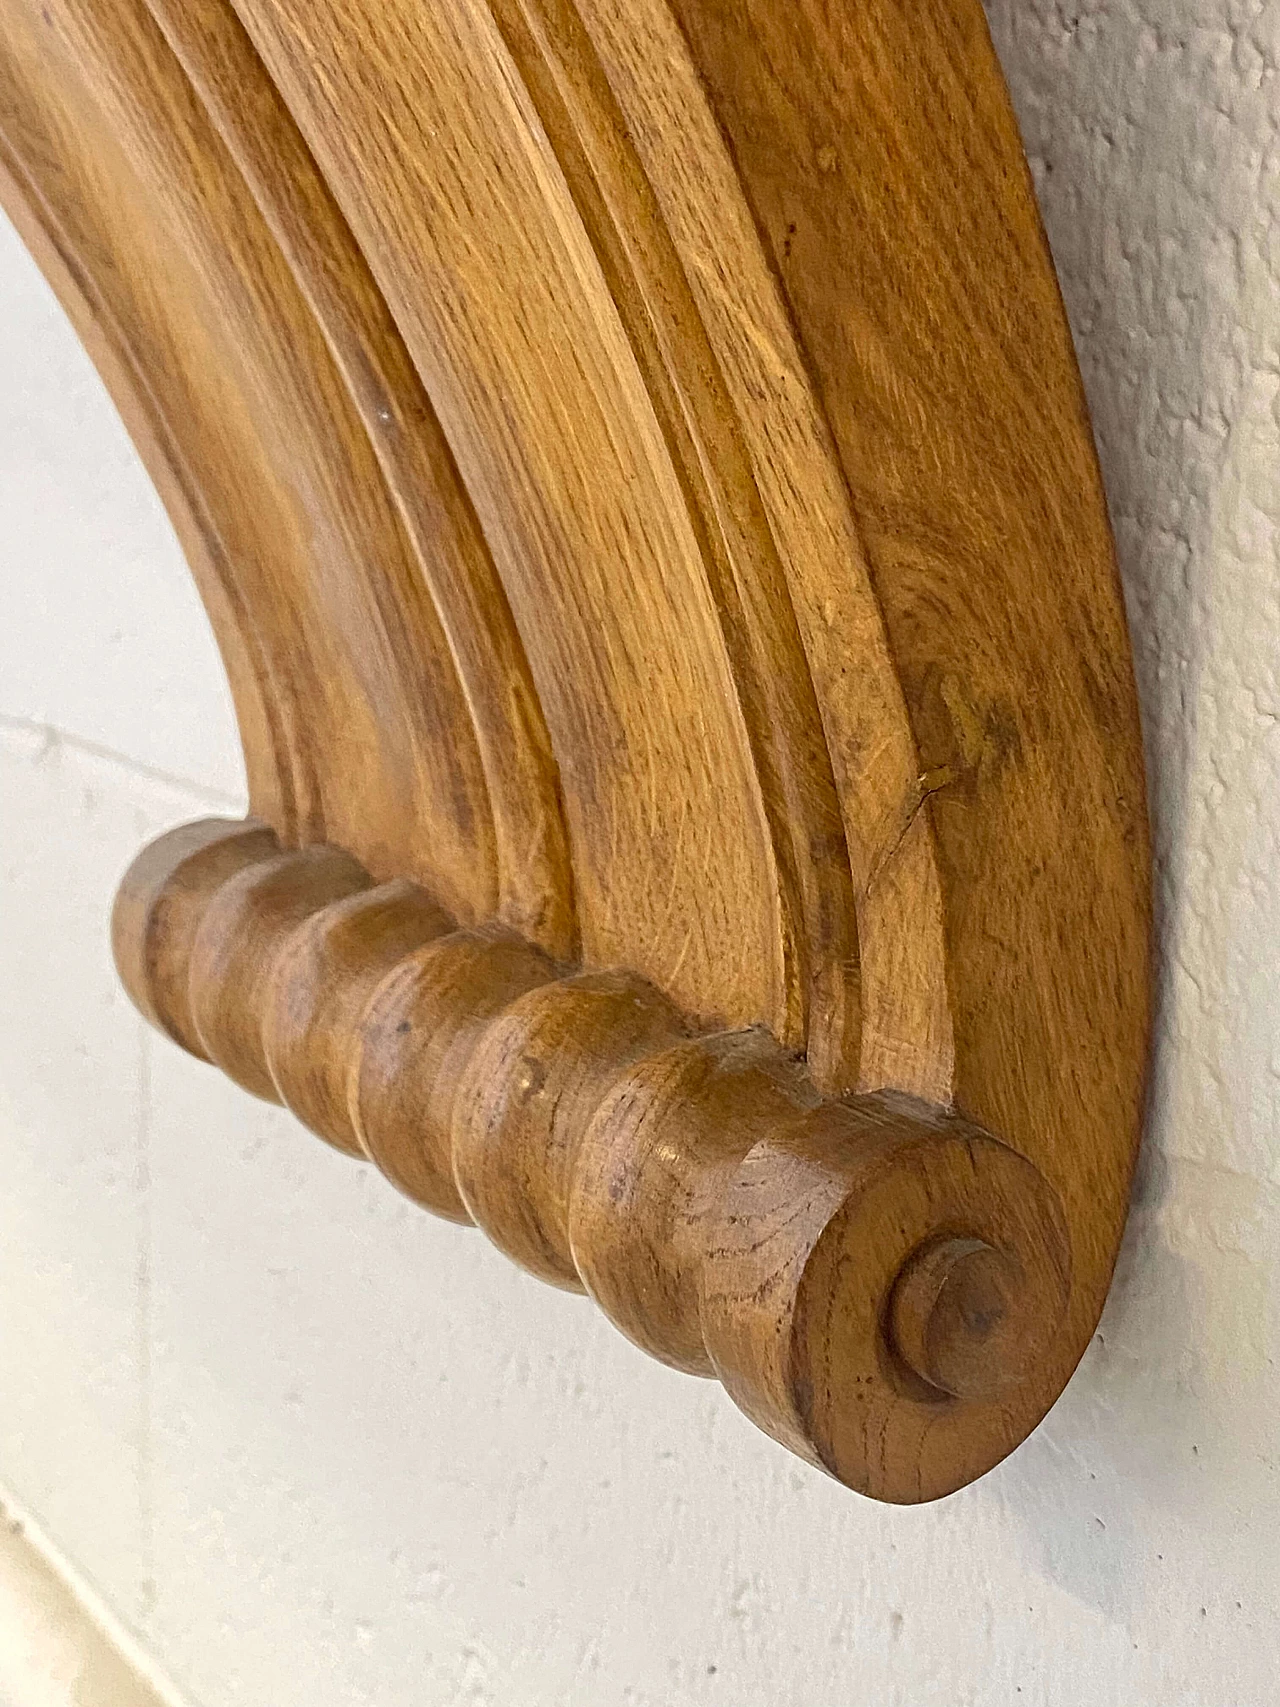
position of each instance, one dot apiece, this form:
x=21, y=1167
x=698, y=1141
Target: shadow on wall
x=1152, y=129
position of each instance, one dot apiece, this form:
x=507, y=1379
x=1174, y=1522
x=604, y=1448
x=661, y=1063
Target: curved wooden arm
x=634, y=460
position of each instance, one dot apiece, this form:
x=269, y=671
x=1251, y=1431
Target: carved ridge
x=622, y=219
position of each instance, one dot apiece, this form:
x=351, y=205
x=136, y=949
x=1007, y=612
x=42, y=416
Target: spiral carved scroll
x=874, y=1281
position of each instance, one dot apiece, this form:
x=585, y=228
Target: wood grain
x=635, y=464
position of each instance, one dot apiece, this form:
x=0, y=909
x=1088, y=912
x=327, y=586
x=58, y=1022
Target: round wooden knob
x=966, y=1318
x=873, y=1264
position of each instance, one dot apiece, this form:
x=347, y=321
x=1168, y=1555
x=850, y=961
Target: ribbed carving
x=873, y=1280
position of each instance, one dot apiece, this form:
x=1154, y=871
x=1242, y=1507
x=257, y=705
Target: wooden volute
x=634, y=460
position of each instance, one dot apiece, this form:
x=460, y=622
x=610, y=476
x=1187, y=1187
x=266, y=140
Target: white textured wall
x=321, y=1450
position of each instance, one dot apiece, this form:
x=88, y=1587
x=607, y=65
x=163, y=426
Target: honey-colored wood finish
x=634, y=461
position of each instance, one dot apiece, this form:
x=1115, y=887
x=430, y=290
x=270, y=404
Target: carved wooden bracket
x=634, y=460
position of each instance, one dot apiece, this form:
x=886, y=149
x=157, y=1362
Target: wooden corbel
x=634, y=460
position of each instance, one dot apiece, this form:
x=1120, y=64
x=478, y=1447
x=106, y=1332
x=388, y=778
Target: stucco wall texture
x=320, y=1450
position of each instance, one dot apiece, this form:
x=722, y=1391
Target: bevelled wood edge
x=878, y=1283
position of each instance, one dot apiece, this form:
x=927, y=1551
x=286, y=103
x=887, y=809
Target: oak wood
x=635, y=464
x=246, y=927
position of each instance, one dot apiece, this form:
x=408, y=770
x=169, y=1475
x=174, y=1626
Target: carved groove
x=534, y=875
x=722, y=1212
x=707, y=443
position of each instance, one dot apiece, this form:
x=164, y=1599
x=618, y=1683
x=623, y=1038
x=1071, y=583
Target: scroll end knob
x=884, y=1292
x=966, y=1318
